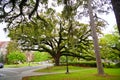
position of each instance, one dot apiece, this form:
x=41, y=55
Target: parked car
x=1, y=65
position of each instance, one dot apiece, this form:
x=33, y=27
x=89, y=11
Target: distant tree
x=116, y=40
x=40, y=56
x=12, y=46
x=107, y=45
x=110, y=46
x=16, y=57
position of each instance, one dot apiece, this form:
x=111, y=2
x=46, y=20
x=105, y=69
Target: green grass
x=19, y=65
x=81, y=74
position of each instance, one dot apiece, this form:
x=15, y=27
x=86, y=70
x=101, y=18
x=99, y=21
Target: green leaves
x=12, y=46
x=67, y=12
x=16, y=57
x=110, y=46
x=50, y=11
x=40, y=56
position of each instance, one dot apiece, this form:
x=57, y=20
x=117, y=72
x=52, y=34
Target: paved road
x=18, y=73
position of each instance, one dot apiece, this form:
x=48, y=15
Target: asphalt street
x=18, y=73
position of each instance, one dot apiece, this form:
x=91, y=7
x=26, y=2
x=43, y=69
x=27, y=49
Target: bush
x=91, y=64
x=40, y=56
x=109, y=65
x=117, y=65
x=16, y=57
x=83, y=64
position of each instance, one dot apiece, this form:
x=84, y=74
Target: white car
x=1, y=65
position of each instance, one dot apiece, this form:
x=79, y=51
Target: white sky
x=110, y=18
x=3, y=35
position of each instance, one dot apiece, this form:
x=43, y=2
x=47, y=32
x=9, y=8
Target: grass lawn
x=80, y=74
x=19, y=65
x=60, y=69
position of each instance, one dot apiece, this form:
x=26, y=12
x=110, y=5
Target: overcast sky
x=110, y=18
x=3, y=35
x=109, y=28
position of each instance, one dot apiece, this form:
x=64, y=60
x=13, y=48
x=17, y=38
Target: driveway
x=18, y=73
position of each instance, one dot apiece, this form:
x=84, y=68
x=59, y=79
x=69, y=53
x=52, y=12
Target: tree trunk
x=116, y=8
x=57, y=61
x=95, y=40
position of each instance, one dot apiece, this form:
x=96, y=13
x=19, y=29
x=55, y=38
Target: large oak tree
x=53, y=35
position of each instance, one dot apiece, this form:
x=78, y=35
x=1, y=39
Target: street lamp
x=67, y=68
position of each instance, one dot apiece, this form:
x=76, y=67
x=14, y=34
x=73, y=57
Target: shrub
x=16, y=57
x=40, y=56
x=91, y=64
x=117, y=65
x=83, y=64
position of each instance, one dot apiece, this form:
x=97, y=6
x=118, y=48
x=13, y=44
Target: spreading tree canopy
x=54, y=36
x=20, y=11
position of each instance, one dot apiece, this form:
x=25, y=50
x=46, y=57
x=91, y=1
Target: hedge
x=90, y=64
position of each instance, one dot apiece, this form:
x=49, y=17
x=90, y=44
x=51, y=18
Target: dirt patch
x=25, y=78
